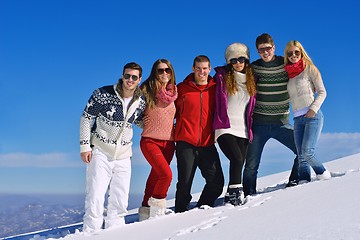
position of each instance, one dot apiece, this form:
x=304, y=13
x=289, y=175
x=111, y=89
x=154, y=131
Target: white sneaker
x=324, y=176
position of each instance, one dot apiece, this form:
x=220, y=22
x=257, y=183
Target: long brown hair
x=152, y=84
x=231, y=86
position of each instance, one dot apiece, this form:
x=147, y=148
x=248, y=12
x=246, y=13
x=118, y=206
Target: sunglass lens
x=233, y=61
x=134, y=78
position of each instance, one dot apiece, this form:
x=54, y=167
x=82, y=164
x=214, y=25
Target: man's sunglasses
x=265, y=49
x=133, y=77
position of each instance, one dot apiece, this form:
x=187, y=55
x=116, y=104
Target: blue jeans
x=262, y=133
x=307, y=132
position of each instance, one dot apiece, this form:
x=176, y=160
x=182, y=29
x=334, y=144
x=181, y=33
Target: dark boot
x=233, y=196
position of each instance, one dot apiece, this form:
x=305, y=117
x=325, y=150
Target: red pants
x=159, y=154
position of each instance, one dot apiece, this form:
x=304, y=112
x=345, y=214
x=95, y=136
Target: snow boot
x=324, y=176
x=233, y=195
x=144, y=213
x=157, y=207
x=292, y=183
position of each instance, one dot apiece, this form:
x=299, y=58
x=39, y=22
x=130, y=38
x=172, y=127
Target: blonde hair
x=294, y=43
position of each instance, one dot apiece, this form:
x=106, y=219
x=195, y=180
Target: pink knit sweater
x=159, y=122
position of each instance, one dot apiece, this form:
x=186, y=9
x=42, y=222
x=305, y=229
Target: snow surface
x=317, y=210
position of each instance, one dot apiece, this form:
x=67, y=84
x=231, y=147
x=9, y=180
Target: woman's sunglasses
x=162, y=70
x=235, y=60
x=291, y=53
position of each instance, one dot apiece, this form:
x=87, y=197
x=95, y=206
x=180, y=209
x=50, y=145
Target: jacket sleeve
x=87, y=120
x=316, y=79
x=221, y=118
x=138, y=121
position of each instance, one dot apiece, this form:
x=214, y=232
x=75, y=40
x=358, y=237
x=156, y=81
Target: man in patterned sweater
x=105, y=146
x=271, y=113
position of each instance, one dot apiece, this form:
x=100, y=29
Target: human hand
x=145, y=120
x=310, y=114
x=86, y=156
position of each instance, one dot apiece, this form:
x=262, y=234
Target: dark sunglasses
x=133, y=77
x=162, y=70
x=262, y=50
x=296, y=52
x=235, y=60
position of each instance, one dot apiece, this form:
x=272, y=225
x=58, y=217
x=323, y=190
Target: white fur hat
x=236, y=50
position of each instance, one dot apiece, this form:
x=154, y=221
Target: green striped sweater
x=272, y=98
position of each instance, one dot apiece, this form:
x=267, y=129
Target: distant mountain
x=30, y=213
x=21, y=213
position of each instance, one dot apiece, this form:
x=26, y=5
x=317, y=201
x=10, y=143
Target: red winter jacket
x=195, y=109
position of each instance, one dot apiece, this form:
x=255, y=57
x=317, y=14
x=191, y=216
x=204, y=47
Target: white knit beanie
x=236, y=50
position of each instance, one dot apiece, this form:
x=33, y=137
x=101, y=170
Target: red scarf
x=166, y=95
x=294, y=69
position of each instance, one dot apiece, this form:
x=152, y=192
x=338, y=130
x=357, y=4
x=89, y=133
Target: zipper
x=122, y=132
x=201, y=106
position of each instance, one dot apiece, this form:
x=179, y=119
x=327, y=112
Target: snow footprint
x=251, y=200
x=202, y=226
x=261, y=202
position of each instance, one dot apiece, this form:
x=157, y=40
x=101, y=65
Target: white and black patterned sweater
x=107, y=125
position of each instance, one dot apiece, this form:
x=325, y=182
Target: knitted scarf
x=166, y=95
x=294, y=69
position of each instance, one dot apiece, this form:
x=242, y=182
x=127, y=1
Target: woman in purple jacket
x=235, y=101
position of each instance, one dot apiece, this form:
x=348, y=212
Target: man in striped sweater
x=271, y=113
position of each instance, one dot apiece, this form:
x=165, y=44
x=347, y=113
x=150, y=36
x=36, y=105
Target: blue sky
x=53, y=54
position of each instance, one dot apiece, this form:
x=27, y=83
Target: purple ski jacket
x=221, y=118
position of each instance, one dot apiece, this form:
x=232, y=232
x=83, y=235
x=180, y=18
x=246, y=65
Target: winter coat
x=221, y=118
x=195, y=109
x=107, y=125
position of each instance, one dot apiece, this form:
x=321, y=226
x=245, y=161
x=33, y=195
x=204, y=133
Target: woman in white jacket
x=307, y=93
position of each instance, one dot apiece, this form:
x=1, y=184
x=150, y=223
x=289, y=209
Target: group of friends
x=240, y=108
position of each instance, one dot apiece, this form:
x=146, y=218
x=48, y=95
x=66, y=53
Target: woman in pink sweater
x=157, y=139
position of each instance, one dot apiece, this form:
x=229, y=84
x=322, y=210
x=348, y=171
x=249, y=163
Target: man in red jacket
x=194, y=136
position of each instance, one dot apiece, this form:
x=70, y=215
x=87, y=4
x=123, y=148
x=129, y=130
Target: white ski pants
x=105, y=175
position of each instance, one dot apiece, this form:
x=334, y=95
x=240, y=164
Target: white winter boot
x=324, y=176
x=144, y=213
x=157, y=206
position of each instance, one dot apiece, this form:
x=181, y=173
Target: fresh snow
x=317, y=210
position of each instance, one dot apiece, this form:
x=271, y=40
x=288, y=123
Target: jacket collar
x=190, y=78
x=119, y=90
